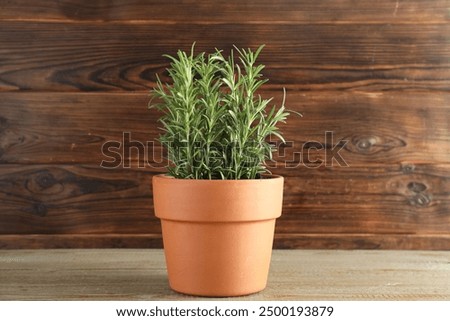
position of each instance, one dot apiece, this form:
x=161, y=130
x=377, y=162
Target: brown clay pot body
x=218, y=234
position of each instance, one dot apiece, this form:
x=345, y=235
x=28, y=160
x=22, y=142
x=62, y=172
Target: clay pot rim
x=207, y=200
x=264, y=177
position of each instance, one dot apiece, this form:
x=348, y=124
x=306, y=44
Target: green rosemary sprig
x=215, y=125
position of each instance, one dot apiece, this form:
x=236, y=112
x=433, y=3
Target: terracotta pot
x=218, y=234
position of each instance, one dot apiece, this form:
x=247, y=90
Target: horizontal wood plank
x=57, y=56
x=282, y=241
x=292, y=11
x=362, y=200
x=367, y=129
x=64, y=241
x=74, y=199
x=363, y=241
x=41, y=199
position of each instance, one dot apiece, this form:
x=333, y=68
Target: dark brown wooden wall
x=76, y=73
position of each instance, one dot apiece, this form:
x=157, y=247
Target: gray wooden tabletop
x=124, y=274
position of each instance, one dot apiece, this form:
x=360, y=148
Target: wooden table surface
x=123, y=274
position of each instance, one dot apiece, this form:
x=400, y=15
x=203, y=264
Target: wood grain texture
x=94, y=56
x=65, y=199
x=42, y=199
x=75, y=75
x=377, y=128
x=93, y=241
x=361, y=241
x=342, y=241
x=354, y=200
x=294, y=275
x=264, y=11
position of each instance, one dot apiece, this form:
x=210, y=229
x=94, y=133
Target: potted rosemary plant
x=218, y=202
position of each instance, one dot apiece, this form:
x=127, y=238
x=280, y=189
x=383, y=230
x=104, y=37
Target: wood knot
x=44, y=182
x=408, y=168
x=417, y=196
x=39, y=209
x=365, y=143
x=416, y=187
x=372, y=144
x=420, y=200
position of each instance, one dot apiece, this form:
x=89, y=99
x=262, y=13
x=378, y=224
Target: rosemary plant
x=215, y=125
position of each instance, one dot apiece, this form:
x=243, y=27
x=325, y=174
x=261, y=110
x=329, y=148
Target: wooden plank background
x=76, y=74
